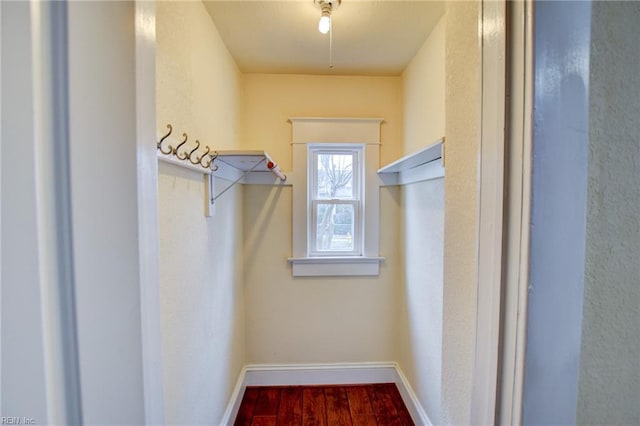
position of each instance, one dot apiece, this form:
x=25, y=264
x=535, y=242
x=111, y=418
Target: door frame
x=503, y=218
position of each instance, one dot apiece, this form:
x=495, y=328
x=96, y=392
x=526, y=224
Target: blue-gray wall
x=560, y=146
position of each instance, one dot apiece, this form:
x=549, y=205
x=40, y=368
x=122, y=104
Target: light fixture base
x=333, y=3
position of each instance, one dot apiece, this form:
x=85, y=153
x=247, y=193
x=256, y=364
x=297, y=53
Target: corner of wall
x=462, y=118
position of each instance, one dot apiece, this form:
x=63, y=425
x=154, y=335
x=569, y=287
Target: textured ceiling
x=369, y=37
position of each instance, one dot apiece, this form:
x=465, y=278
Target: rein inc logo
x=5, y=420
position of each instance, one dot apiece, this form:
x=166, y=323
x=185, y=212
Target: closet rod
x=276, y=170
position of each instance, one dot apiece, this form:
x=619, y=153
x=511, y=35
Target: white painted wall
x=1, y=101
x=322, y=319
x=107, y=141
x=421, y=325
x=609, y=381
x=104, y=124
x=198, y=92
x=423, y=83
x=462, y=130
x=422, y=205
x=23, y=373
x=201, y=284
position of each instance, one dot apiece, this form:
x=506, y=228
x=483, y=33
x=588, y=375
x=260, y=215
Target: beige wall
x=462, y=116
x=424, y=92
x=198, y=82
x=315, y=319
x=271, y=99
x=420, y=331
x=442, y=98
x=609, y=382
x=199, y=92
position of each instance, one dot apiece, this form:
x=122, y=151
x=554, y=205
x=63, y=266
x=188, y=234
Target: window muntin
x=335, y=201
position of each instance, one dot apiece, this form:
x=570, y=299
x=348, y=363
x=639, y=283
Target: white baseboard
x=322, y=374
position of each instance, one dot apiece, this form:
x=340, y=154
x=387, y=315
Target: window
x=335, y=201
x=335, y=196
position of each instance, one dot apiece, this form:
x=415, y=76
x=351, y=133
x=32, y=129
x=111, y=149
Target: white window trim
x=362, y=131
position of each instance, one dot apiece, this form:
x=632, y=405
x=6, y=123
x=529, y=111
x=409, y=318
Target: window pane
x=334, y=227
x=335, y=176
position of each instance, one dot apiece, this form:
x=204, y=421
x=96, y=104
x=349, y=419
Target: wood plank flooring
x=377, y=404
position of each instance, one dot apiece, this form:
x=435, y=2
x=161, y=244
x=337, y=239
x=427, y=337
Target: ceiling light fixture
x=324, y=25
x=326, y=6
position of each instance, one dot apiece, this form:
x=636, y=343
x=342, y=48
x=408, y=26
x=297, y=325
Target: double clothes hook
x=204, y=160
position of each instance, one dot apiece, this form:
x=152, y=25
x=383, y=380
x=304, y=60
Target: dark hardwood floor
x=331, y=405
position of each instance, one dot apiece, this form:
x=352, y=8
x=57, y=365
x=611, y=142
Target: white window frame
x=357, y=201
x=336, y=133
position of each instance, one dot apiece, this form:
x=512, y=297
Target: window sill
x=335, y=266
